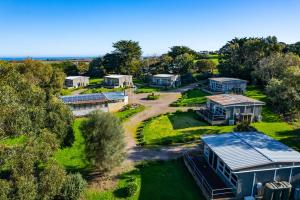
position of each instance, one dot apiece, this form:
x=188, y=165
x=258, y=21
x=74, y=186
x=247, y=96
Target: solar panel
x=82, y=97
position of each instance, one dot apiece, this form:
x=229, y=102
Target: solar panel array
x=82, y=97
x=114, y=95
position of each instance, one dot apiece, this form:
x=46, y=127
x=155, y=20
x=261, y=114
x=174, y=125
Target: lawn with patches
x=191, y=98
x=128, y=111
x=178, y=127
x=155, y=180
x=73, y=158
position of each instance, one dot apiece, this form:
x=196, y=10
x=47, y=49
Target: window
x=206, y=150
x=233, y=179
x=221, y=166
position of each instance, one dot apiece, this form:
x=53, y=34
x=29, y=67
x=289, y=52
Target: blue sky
x=89, y=27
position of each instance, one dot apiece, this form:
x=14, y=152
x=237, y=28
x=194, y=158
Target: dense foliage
x=105, y=145
x=30, y=109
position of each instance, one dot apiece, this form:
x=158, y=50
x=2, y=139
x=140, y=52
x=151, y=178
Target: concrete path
x=153, y=108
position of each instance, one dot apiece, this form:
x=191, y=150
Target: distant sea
x=45, y=58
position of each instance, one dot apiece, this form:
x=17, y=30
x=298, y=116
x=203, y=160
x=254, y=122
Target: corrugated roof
x=232, y=99
x=249, y=150
x=163, y=75
x=72, y=99
x=74, y=77
x=114, y=95
x=227, y=79
x=115, y=76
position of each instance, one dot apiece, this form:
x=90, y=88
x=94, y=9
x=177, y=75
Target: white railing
x=212, y=193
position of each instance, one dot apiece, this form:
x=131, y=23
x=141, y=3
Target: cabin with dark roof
x=244, y=164
x=227, y=85
x=230, y=108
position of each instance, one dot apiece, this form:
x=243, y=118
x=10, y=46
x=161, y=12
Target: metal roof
x=83, y=98
x=114, y=95
x=163, y=75
x=75, y=77
x=227, y=79
x=233, y=99
x=115, y=76
x=249, y=150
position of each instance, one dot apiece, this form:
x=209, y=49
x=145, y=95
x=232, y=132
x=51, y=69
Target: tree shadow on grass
x=290, y=138
x=181, y=120
x=184, y=136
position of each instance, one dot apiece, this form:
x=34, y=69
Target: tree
x=284, y=94
x=73, y=187
x=82, y=68
x=96, y=68
x=28, y=104
x=183, y=63
x=239, y=57
x=105, y=146
x=180, y=50
x=294, y=48
x=205, y=65
x=274, y=66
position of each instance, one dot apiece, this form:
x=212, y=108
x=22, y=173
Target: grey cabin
x=165, y=80
x=245, y=164
x=118, y=80
x=76, y=81
x=227, y=85
x=230, y=108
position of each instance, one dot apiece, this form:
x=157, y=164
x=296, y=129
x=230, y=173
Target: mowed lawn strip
x=155, y=180
x=74, y=158
x=178, y=127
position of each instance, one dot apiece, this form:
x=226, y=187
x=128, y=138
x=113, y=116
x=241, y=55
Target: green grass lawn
x=191, y=98
x=155, y=180
x=147, y=89
x=128, y=111
x=178, y=128
x=95, y=81
x=102, y=89
x=73, y=158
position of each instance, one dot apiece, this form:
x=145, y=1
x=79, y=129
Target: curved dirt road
x=153, y=108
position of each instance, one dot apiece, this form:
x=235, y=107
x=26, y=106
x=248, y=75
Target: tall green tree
x=180, y=50
x=239, y=57
x=274, y=66
x=105, y=145
x=205, y=65
x=183, y=63
x=96, y=68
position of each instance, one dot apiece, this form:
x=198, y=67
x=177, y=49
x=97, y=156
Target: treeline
x=32, y=114
x=272, y=65
x=126, y=58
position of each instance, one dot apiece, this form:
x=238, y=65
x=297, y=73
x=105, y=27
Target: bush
x=73, y=187
x=130, y=189
x=152, y=96
x=190, y=110
x=244, y=127
x=167, y=142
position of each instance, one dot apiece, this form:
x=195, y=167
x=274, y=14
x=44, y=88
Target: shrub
x=190, y=110
x=244, y=127
x=130, y=189
x=73, y=187
x=152, y=96
x=167, y=142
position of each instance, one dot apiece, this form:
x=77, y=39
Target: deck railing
x=209, y=192
x=210, y=115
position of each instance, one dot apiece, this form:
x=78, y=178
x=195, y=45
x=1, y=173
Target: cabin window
x=220, y=166
x=220, y=111
x=206, y=151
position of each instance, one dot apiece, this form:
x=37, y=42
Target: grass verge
x=191, y=98
x=155, y=180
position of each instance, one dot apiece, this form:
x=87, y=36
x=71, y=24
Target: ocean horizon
x=48, y=58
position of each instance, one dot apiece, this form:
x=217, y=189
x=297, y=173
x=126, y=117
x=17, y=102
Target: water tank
x=297, y=194
x=277, y=190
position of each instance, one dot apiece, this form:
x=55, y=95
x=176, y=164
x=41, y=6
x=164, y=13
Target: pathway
x=153, y=108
